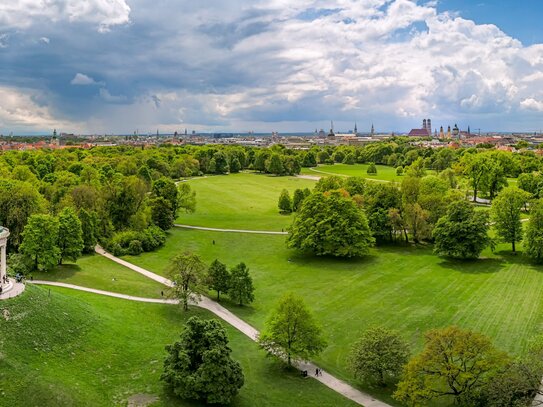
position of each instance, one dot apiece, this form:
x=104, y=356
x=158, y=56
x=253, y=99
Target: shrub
x=135, y=248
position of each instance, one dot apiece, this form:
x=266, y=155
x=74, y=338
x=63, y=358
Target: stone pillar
x=3, y=263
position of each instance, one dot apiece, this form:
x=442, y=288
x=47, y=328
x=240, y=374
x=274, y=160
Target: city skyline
x=268, y=66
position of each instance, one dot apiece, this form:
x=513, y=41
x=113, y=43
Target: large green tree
x=533, y=244
x=285, y=203
x=241, y=287
x=40, y=242
x=379, y=354
x=187, y=272
x=274, y=165
x=70, y=235
x=455, y=364
x=199, y=365
x=331, y=224
x=297, y=199
x=462, y=232
x=506, y=211
x=186, y=198
x=18, y=201
x=291, y=331
x=161, y=213
x=218, y=278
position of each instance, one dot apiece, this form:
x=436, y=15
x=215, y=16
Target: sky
x=119, y=66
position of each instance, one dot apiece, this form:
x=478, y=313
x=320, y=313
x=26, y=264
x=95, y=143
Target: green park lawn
x=241, y=201
x=70, y=348
x=384, y=173
x=404, y=288
x=98, y=272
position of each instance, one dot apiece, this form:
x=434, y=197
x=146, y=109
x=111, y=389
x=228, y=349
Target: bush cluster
x=135, y=242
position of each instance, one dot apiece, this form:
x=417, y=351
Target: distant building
x=419, y=133
x=425, y=131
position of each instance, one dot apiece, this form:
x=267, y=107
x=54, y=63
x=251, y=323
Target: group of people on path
x=318, y=372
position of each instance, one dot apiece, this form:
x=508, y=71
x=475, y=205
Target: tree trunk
x=474, y=194
x=513, y=244
x=218, y=295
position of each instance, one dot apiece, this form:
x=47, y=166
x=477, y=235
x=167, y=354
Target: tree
x=475, y=167
x=331, y=224
x=261, y=157
x=18, y=201
x=462, y=232
x=417, y=221
x=310, y=160
x=372, y=169
x=166, y=188
x=187, y=272
x=241, y=288
x=506, y=209
x=274, y=165
x=416, y=169
x=284, y=204
x=221, y=163
x=379, y=354
x=349, y=159
x=235, y=165
x=329, y=183
x=291, y=331
x=218, y=278
x=454, y=363
x=297, y=199
x=186, y=198
x=534, y=233
x=399, y=171
x=355, y=185
x=199, y=365
x=40, y=242
x=70, y=235
x=162, y=213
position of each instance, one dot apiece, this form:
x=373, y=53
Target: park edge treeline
x=125, y=197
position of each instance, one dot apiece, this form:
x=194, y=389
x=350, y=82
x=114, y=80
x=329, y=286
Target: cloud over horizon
x=270, y=65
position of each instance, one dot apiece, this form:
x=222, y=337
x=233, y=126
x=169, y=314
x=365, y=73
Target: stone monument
x=4, y=234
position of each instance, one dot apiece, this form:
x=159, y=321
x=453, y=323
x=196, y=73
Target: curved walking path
x=327, y=379
x=106, y=293
x=257, y=232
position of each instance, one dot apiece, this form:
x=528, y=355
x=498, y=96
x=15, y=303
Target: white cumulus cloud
x=84, y=80
x=102, y=13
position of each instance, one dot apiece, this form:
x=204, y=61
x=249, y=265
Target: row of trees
x=49, y=240
x=191, y=277
x=457, y=365
x=345, y=217
x=287, y=205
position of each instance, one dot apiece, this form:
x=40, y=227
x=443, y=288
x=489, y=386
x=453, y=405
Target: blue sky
x=116, y=66
x=520, y=19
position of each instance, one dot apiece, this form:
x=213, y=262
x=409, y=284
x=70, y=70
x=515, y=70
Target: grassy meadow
x=72, y=348
x=241, y=201
x=384, y=173
x=401, y=287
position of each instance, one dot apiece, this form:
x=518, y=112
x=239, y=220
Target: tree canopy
x=454, y=364
x=462, y=232
x=291, y=331
x=188, y=273
x=199, y=365
x=331, y=224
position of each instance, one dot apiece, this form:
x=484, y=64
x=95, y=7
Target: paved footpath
x=258, y=232
x=328, y=380
x=14, y=290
